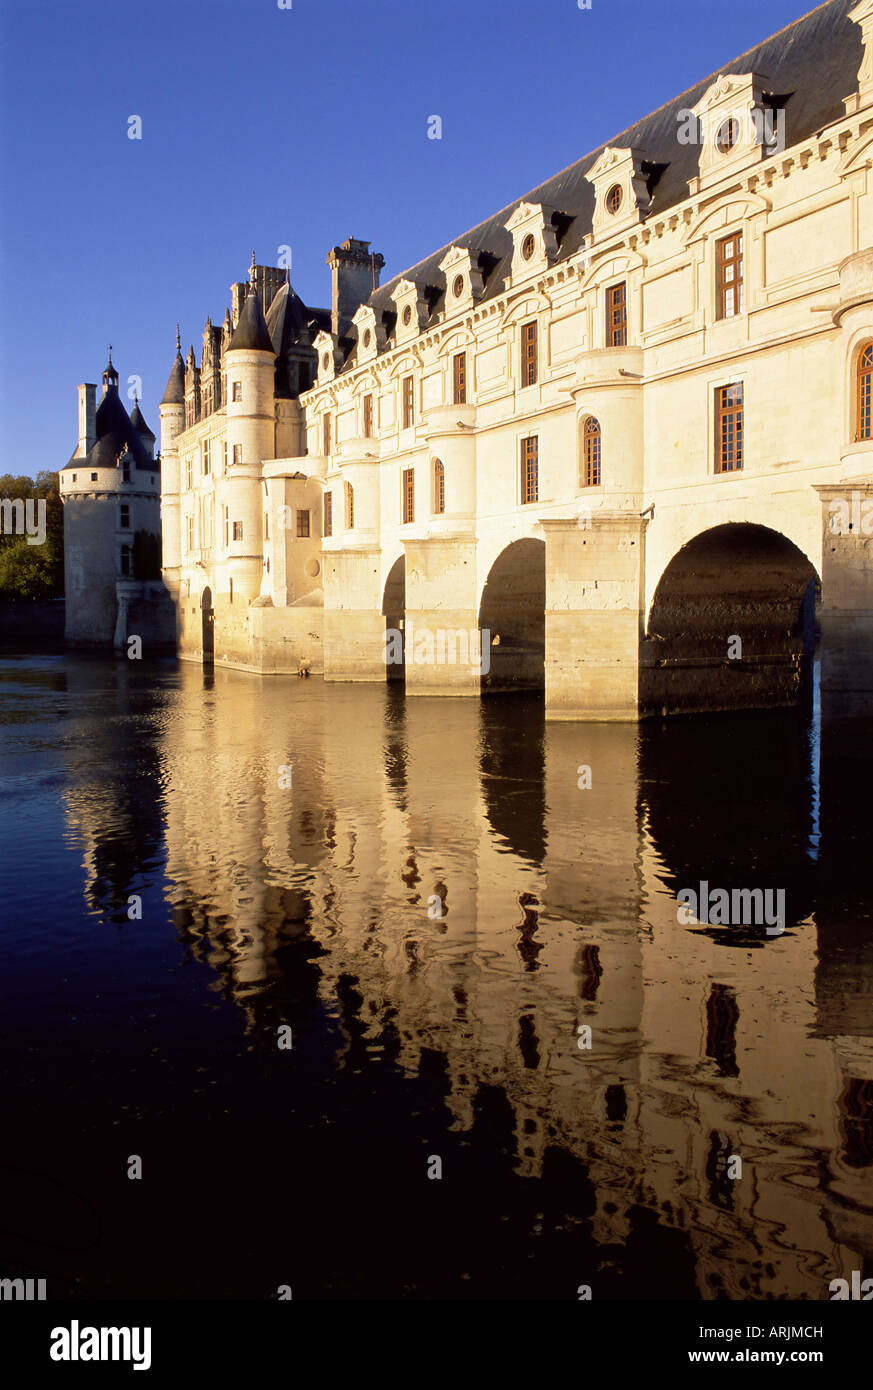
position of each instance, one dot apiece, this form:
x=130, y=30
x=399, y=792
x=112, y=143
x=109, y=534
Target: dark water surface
x=434, y=908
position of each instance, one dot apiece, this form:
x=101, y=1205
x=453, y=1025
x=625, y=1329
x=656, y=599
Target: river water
x=513, y=1072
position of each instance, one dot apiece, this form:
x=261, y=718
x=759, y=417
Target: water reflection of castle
x=558, y=910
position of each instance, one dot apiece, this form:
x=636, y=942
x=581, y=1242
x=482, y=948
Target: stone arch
x=512, y=613
x=731, y=624
x=207, y=626
x=394, y=612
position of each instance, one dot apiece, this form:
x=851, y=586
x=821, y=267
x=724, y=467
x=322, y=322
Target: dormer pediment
x=621, y=195
x=534, y=240
x=733, y=125
x=464, y=280
x=329, y=356
x=862, y=15
x=370, y=331
x=412, y=310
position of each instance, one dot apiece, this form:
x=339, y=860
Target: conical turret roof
x=251, y=332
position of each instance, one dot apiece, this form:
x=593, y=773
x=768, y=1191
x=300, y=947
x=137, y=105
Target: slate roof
x=175, y=392
x=289, y=318
x=137, y=419
x=251, y=330
x=814, y=62
x=115, y=434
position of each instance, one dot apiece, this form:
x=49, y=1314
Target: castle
x=110, y=489
x=610, y=429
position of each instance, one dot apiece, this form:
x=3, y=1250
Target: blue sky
x=264, y=127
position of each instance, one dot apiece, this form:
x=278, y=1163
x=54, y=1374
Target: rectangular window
x=237, y=453
x=125, y=473
x=327, y=527
x=125, y=516
x=439, y=487
x=206, y=457
x=728, y=428
x=616, y=315
x=459, y=364
x=189, y=532
x=236, y=391
x=224, y=456
x=529, y=469
x=226, y=526
x=368, y=417
x=127, y=561
x=237, y=530
x=189, y=473
x=93, y=477
x=302, y=525
x=350, y=507
x=529, y=353
x=325, y=426
x=408, y=414
x=230, y=590
x=408, y=495
x=266, y=526
x=729, y=276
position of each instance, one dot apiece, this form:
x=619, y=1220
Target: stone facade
x=610, y=429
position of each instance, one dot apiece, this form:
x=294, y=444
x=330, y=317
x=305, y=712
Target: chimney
x=354, y=276
x=87, y=418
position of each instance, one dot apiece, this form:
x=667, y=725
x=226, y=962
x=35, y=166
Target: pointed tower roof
x=251, y=332
x=175, y=392
x=137, y=419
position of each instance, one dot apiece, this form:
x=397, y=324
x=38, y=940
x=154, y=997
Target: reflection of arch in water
x=732, y=802
x=736, y=581
x=513, y=612
x=512, y=770
x=207, y=621
x=394, y=610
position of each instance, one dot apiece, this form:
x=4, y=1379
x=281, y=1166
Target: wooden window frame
x=729, y=427
x=864, y=393
x=236, y=391
x=327, y=514
x=326, y=433
x=367, y=415
x=350, y=507
x=592, y=451
x=237, y=454
x=303, y=524
x=439, y=487
x=530, y=470
x=459, y=378
x=529, y=353
x=407, y=396
x=616, y=315
x=730, y=293
x=407, y=496
x=236, y=531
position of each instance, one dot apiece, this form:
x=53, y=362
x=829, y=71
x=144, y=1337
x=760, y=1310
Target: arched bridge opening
x=732, y=624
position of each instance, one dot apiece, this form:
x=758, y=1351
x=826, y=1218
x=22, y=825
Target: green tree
x=33, y=571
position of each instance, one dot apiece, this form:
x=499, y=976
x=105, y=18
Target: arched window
x=591, y=452
x=350, y=507
x=864, y=417
x=439, y=487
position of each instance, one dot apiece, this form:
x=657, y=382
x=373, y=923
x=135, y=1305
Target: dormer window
x=727, y=135
x=407, y=316
x=458, y=286
x=528, y=246
x=613, y=199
